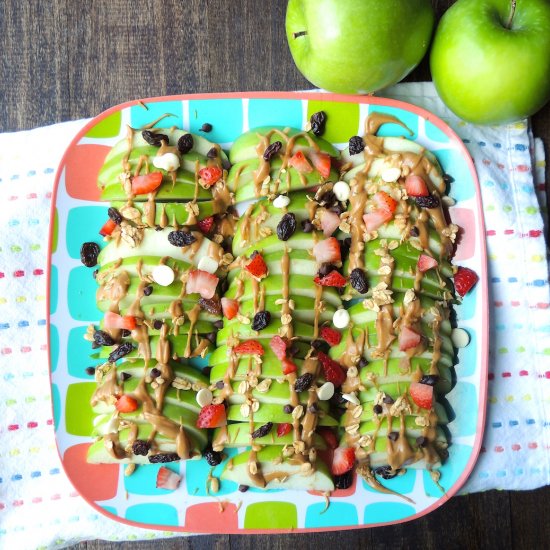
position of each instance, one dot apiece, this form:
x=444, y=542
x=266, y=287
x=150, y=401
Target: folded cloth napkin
x=38, y=505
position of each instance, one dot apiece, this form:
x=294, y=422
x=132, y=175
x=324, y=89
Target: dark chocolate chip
x=288, y=409
x=344, y=481
x=320, y=345
x=148, y=290
x=377, y=409
x=307, y=226
x=430, y=379
x=155, y=372
x=388, y=400
x=157, y=325
x=220, y=384
x=325, y=269
x=206, y=127
x=90, y=370
x=243, y=488
x=393, y=436
x=218, y=324
x=362, y=363
x=211, y=337
x=421, y=441
x=328, y=199
x=386, y=472
x=125, y=376
x=414, y=231
x=212, y=153
x=313, y=408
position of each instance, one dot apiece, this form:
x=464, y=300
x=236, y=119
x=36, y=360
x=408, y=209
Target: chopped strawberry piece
x=343, y=461
x=278, y=345
x=422, y=394
x=416, y=186
x=107, y=228
x=329, y=222
x=167, y=479
x=206, y=225
x=465, y=279
x=114, y=320
x=141, y=185
x=426, y=263
x=329, y=436
x=126, y=404
x=373, y=220
x=321, y=162
x=249, y=347
x=230, y=307
x=384, y=202
x=288, y=366
x=299, y=161
x=327, y=251
x=210, y=175
x=283, y=429
x=212, y=416
x=332, y=279
x=202, y=282
x=332, y=370
x=331, y=336
x=257, y=266
x=408, y=338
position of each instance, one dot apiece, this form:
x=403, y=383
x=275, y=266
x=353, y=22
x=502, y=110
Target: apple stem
x=511, y=16
x=302, y=33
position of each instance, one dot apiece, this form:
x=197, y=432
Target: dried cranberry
x=140, y=447
x=303, y=382
x=181, y=238
x=261, y=320
x=89, y=253
x=344, y=481
x=101, y=338
x=162, y=458
x=212, y=305
x=286, y=227
x=185, y=143
x=206, y=127
x=114, y=214
x=212, y=457
x=318, y=121
x=212, y=153
x=307, y=226
x=153, y=138
x=431, y=201
x=356, y=145
x=121, y=351
x=358, y=280
x=262, y=431
x=148, y=290
x=272, y=150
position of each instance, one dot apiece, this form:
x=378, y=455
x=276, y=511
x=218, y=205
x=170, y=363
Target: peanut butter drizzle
x=357, y=202
x=285, y=307
x=375, y=120
x=193, y=316
x=317, y=309
x=176, y=312
x=109, y=387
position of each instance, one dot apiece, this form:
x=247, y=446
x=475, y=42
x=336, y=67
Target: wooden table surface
x=63, y=59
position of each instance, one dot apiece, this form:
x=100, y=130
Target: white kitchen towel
x=38, y=506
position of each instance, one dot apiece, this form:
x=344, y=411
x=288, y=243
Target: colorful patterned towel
x=39, y=507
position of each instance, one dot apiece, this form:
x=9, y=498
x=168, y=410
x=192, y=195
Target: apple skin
x=485, y=73
x=358, y=46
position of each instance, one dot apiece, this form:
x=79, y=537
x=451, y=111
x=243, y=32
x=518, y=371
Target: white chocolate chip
x=448, y=201
x=281, y=201
x=206, y=263
x=163, y=275
x=460, y=338
x=204, y=397
x=352, y=398
x=389, y=175
x=169, y=162
x=326, y=391
x=341, y=318
x=341, y=190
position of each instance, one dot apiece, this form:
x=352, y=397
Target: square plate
x=77, y=216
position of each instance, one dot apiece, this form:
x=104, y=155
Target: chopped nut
x=286, y=319
x=264, y=385
x=410, y=296
x=255, y=405
x=297, y=412
x=243, y=387
x=245, y=410
x=401, y=405
x=352, y=371
x=421, y=421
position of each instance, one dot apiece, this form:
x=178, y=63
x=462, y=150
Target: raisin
x=181, y=238
x=394, y=436
x=212, y=153
x=327, y=199
x=101, y=338
x=212, y=305
x=430, y=379
x=155, y=372
x=338, y=399
x=89, y=253
x=356, y=145
x=358, y=280
x=318, y=121
x=90, y=370
x=185, y=143
x=303, y=382
x=261, y=320
x=162, y=458
x=325, y=269
x=218, y=324
x=388, y=400
x=243, y=488
x=153, y=138
x=206, y=127
x=288, y=409
x=286, y=227
x=386, y=472
x=272, y=150
x=157, y=325
x=307, y=226
x=140, y=447
x=431, y=201
x=345, y=245
x=313, y=408
x=320, y=345
x=211, y=337
x=220, y=384
x=421, y=441
x=377, y=409
x=114, y=214
x=125, y=333
x=344, y=481
x=125, y=376
x=262, y=431
x=212, y=457
x=414, y=231
x=362, y=363
x=148, y=290
x=121, y=351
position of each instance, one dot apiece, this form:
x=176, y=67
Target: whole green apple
x=490, y=59
x=358, y=46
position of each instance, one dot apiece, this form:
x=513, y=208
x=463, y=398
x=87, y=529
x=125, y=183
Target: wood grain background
x=67, y=59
